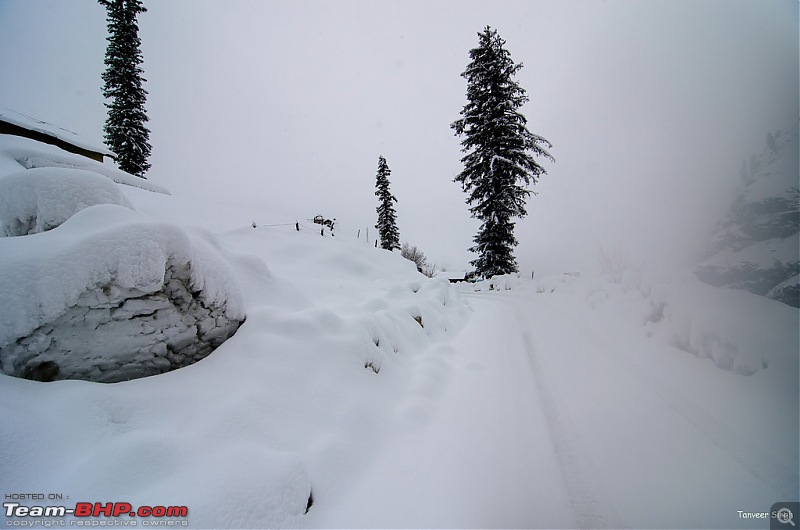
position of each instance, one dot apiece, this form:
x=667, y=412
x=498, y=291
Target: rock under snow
x=109, y=296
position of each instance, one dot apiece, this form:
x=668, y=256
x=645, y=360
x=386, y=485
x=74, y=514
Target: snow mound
x=736, y=330
x=504, y=282
x=342, y=343
x=344, y=290
x=110, y=296
x=16, y=152
x=38, y=200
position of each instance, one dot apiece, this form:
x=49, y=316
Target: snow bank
x=38, y=200
x=386, y=306
x=92, y=289
x=342, y=343
x=737, y=330
x=17, y=152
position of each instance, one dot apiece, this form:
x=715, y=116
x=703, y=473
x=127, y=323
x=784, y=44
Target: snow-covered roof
x=58, y=133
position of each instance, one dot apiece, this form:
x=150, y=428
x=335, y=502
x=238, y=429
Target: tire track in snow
x=590, y=506
x=757, y=462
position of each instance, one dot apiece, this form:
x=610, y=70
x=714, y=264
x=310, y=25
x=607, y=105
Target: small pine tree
x=125, y=131
x=387, y=218
x=499, y=153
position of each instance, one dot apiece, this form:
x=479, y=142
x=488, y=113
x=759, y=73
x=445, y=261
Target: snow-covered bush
x=412, y=253
x=37, y=200
x=110, y=296
x=503, y=282
x=614, y=262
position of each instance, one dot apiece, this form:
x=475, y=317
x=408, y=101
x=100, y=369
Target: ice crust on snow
x=38, y=200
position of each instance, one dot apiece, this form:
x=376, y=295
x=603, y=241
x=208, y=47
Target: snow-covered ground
x=401, y=401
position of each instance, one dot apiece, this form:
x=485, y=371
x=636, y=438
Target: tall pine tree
x=125, y=131
x=499, y=148
x=387, y=218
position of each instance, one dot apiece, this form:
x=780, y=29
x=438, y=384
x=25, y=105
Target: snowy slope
x=337, y=333
x=755, y=247
x=401, y=401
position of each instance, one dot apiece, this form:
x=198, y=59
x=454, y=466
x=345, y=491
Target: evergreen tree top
x=134, y=6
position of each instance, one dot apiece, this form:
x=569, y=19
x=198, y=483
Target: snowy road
x=550, y=419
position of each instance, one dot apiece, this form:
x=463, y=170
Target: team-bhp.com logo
x=89, y=514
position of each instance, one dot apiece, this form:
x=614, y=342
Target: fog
x=651, y=108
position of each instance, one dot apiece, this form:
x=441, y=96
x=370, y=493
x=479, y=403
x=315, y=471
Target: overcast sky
x=651, y=107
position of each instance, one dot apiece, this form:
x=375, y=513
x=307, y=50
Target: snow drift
x=564, y=402
x=41, y=199
x=110, y=296
x=23, y=153
x=94, y=290
x=736, y=330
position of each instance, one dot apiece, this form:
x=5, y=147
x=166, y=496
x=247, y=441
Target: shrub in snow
x=37, y=200
x=614, y=263
x=110, y=296
x=414, y=254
